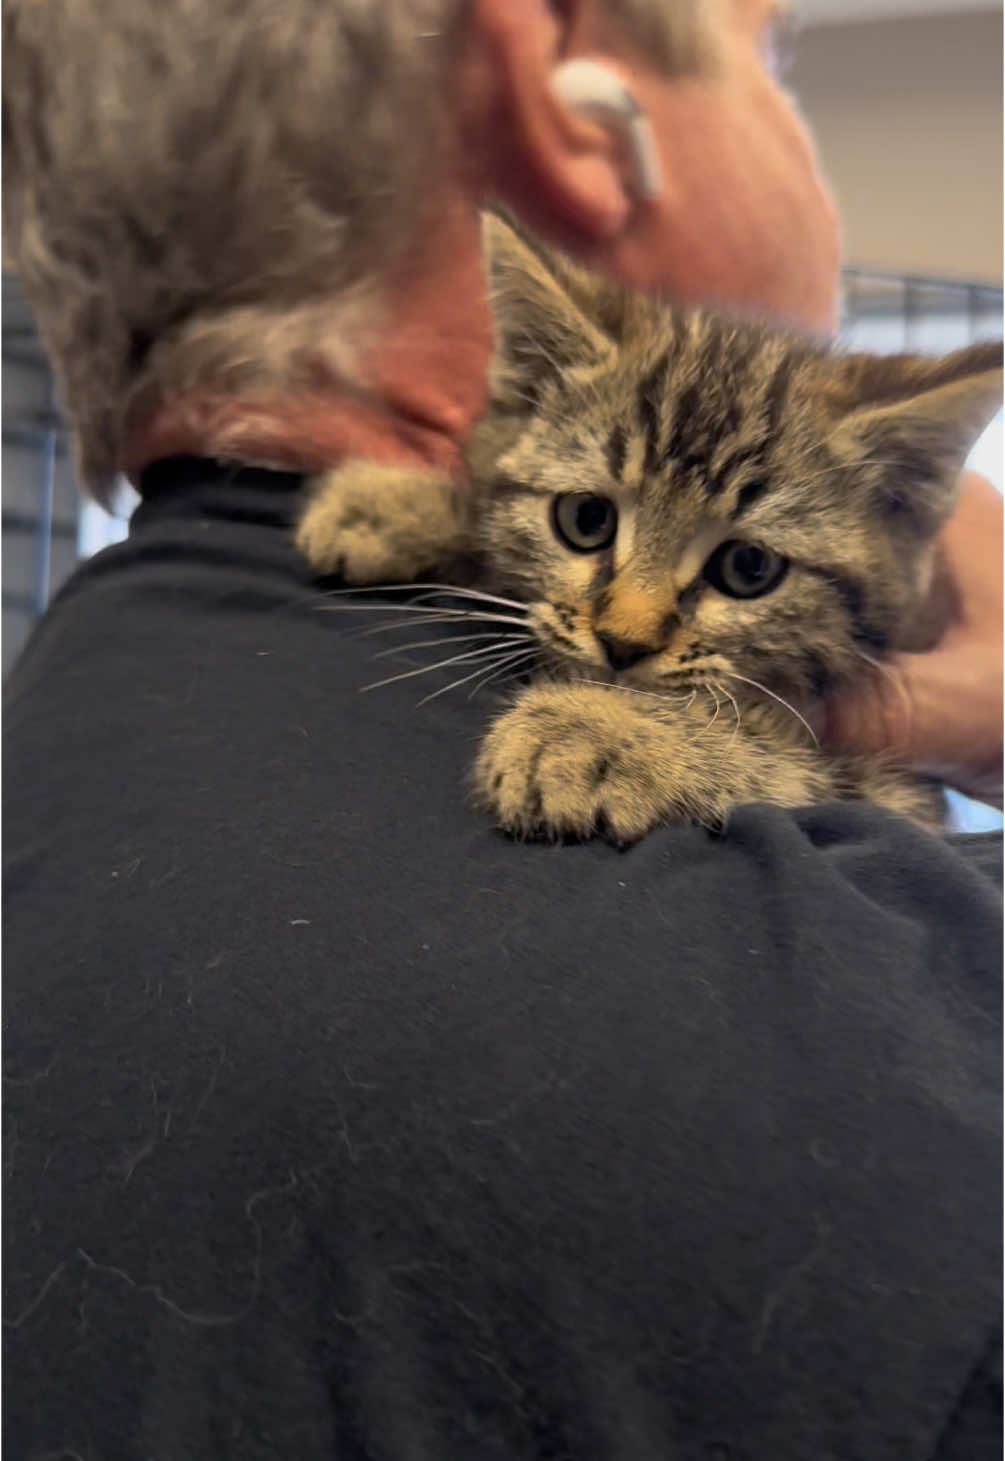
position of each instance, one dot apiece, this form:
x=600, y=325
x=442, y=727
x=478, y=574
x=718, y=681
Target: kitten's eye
x=584, y=521
x=745, y=570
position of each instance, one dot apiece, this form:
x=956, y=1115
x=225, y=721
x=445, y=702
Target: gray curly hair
x=211, y=190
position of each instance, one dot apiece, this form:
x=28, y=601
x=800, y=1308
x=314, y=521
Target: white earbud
x=591, y=87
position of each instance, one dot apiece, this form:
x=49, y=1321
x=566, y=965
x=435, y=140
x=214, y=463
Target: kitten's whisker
x=477, y=593
x=437, y=619
x=468, y=601
x=477, y=615
x=732, y=701
x=510, y=668
x=627, y=689
x=894, y=680
x=764, y=689
x=388, y=608
x=736, y=710
x=877, y=665
x=443, y=639
x=454, y=685
x=715, y=713
x=452, y=589
x=663, y=695
x=442, y=664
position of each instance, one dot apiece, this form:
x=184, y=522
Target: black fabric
x=339, y=1126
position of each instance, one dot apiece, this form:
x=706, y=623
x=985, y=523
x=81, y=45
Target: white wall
x=908, y=118
x=833, y=12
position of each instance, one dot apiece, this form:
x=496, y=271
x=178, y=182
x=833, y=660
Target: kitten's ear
x=541, y=308
x=917, y=419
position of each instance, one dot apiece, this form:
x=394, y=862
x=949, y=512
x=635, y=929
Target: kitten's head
x=679, y=495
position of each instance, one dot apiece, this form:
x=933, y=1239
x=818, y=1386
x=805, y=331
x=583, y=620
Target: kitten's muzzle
x=623, y=653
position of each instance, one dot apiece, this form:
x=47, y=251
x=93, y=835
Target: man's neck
x=416, y=391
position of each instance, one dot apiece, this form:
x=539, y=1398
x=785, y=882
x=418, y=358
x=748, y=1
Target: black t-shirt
x=339, y=1125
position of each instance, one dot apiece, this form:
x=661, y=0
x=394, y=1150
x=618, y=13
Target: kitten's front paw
x=341, y=532
x=370, y=523
x=573, y=760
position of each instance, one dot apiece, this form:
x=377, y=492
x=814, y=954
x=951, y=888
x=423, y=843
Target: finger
x=931, y=713
x=877, y=716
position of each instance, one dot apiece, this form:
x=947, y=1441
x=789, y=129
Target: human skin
x=744, y=220
x=941, y=711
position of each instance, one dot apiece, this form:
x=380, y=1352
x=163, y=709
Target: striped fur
x=702, y=430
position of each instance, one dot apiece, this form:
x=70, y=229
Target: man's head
x=204, y=194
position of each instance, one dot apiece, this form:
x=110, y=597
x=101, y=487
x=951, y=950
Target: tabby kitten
x=694, y=520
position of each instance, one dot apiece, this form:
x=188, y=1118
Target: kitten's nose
x=622, y=653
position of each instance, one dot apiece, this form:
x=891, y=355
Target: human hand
x=940, y=712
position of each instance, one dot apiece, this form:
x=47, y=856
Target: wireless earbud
x=592, y=88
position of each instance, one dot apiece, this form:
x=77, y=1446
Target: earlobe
x=561, y=154
x=596, y=90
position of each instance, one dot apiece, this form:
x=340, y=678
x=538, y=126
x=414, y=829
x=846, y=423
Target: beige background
x=908, y=118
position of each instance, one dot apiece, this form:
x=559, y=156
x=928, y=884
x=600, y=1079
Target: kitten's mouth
x=566, y=635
